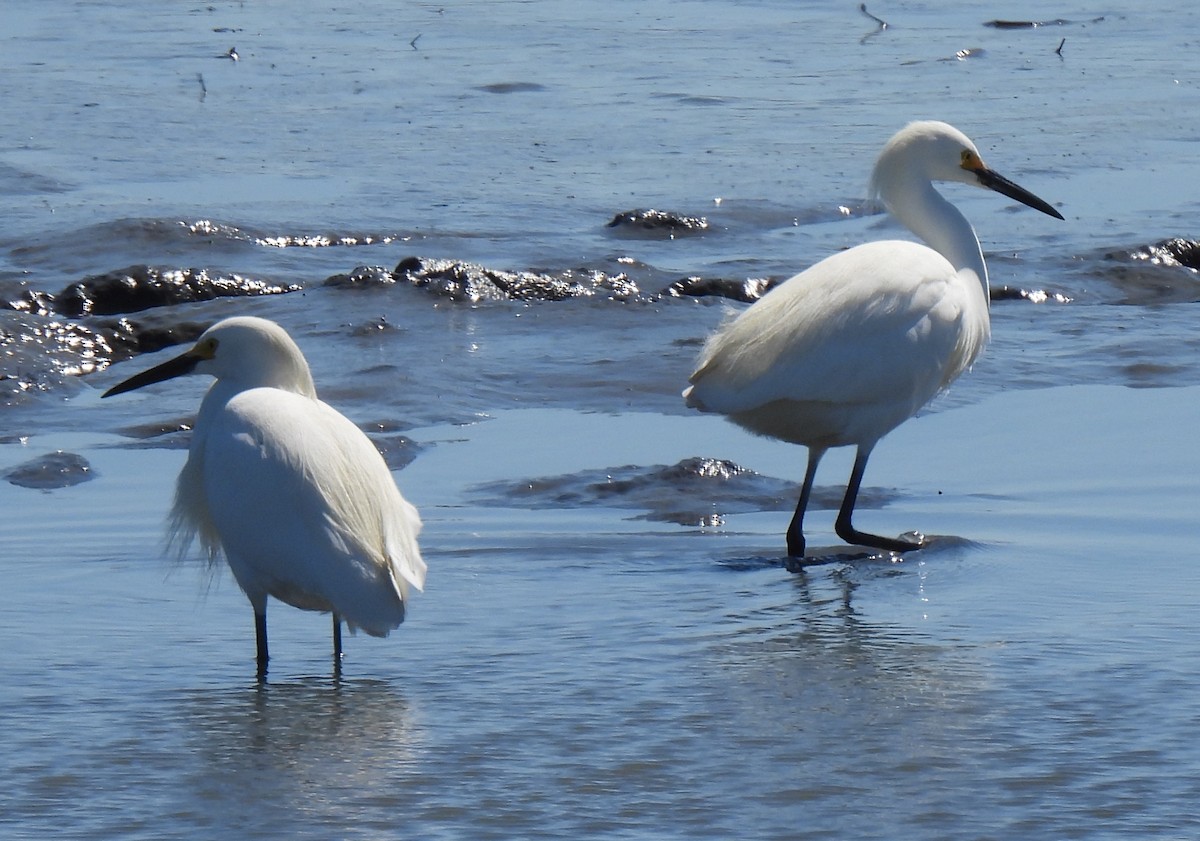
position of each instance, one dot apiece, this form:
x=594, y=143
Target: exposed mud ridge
x=1165, y=272
x=128, y=337
x=398, y=450
x=747, y=291
x=51, y=471
x=1034, y=296
x=461, y=281
x=473, y=283
x=142, y=287
x=38, y=353
x=656, y=224
x=222, y=231
x=694, y=492
x=1170, y=252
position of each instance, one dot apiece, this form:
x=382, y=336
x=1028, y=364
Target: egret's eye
x=206, y=349
x=970, y=161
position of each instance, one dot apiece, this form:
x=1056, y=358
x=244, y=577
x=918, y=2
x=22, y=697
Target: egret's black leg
x=260, y=636
x=843, y=527
x=337, y=649
x=795, y=532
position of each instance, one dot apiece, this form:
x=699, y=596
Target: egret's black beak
x=995, y=181
x=177, y=367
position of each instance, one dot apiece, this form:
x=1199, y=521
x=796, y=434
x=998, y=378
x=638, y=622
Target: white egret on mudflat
x=846, y=351
x=295, y=496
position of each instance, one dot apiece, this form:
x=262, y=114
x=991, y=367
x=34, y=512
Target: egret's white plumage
x=294, y=495
x=846, y=351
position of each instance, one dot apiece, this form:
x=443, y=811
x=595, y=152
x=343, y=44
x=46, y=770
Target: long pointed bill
x=177, y=367
x=994, y=181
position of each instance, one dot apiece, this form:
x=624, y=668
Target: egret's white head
x=929, y=150
x=250, y=352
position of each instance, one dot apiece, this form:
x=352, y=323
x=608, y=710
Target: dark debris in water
x=1025, y=24
x=512, y=87
x=694, y=492
x=51, y=471
x=963, y=54
x=966, y=53
x=649, y=223
x=1035, y=24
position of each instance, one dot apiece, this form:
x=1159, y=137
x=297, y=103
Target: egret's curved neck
x=923, y=211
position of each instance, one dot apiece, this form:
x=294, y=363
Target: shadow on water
x=858, y=557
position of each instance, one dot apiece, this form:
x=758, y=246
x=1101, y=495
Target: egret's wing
x=877, y=322
x=368, y=495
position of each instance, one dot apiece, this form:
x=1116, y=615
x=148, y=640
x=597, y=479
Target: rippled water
x=609, y=645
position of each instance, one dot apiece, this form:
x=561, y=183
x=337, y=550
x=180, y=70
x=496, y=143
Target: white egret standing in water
x=294, y=495
x=844, y=352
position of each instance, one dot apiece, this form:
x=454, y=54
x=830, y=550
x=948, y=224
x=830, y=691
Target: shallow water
x=587, y=662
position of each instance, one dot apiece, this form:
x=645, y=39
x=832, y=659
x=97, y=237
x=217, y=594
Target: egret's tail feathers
x=693, y=401
x=400, y=544
x=375, y=629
